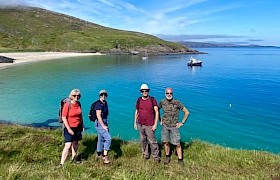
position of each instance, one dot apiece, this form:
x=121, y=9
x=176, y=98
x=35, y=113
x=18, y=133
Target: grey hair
x=74, y=91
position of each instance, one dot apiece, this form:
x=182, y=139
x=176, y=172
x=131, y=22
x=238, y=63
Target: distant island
x=192, y=44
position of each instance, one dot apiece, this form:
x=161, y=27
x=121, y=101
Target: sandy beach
x=28, y=57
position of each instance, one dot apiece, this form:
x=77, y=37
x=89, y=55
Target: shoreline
x=28, y=57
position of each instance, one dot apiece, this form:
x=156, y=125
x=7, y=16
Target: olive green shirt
x=171, y=110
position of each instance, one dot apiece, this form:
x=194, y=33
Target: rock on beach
x=4, y=59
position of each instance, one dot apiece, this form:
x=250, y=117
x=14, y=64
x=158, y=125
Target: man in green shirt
x=170, y=124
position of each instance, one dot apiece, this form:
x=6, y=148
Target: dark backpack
x=92, y=113
x=62, y=103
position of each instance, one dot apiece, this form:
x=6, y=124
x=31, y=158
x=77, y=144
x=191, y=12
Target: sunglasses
x=169, y=93
x=145, y=91
x=104, y=94
x=76, y=95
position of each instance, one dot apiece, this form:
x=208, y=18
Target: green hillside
x=35, y=29
x=32, y=153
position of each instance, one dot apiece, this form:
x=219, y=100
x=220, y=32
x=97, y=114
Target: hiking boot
x=58, y=166
x=167, y=160
x=76, y=160
x=146, y=156
x=181, y=162
x=106, y=160
x=99, y=156
x=157, y=160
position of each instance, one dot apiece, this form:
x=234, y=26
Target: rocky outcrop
x=4, y=59
x=153, y=50
x=162, y=49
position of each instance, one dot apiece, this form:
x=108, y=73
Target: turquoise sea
x=234, y=98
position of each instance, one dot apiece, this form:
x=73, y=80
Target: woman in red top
x=73, y=123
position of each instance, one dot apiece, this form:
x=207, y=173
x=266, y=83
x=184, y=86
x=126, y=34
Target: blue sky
x=235, y=21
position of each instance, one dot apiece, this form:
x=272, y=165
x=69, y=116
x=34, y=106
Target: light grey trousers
x=147, y=137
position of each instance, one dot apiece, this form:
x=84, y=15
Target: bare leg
x=65, y=152
x=167, y=152
x=74, y=149
x=180, y=155
x=105, y=153
x=179, y=151
x=167, y=148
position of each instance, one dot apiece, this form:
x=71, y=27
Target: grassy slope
x=42, y=30
x=30, y=153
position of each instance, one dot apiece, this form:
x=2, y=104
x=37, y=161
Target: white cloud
x=108, y=3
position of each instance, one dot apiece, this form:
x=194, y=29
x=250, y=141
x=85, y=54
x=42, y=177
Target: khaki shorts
x=170, y=134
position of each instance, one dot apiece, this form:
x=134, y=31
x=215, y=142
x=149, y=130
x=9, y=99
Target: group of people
x=73, y=126
x=145, y=120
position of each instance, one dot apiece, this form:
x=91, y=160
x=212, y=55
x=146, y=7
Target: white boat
x=145, y=56
x=134, y=52
x=194, y=62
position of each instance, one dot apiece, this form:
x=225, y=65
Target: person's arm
x=156, y=118
x=186, y=114
x=65, y=112
x=135, y=119
x=82, y=119
x=159, y=116
x=65, y=122
x=100, y=120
